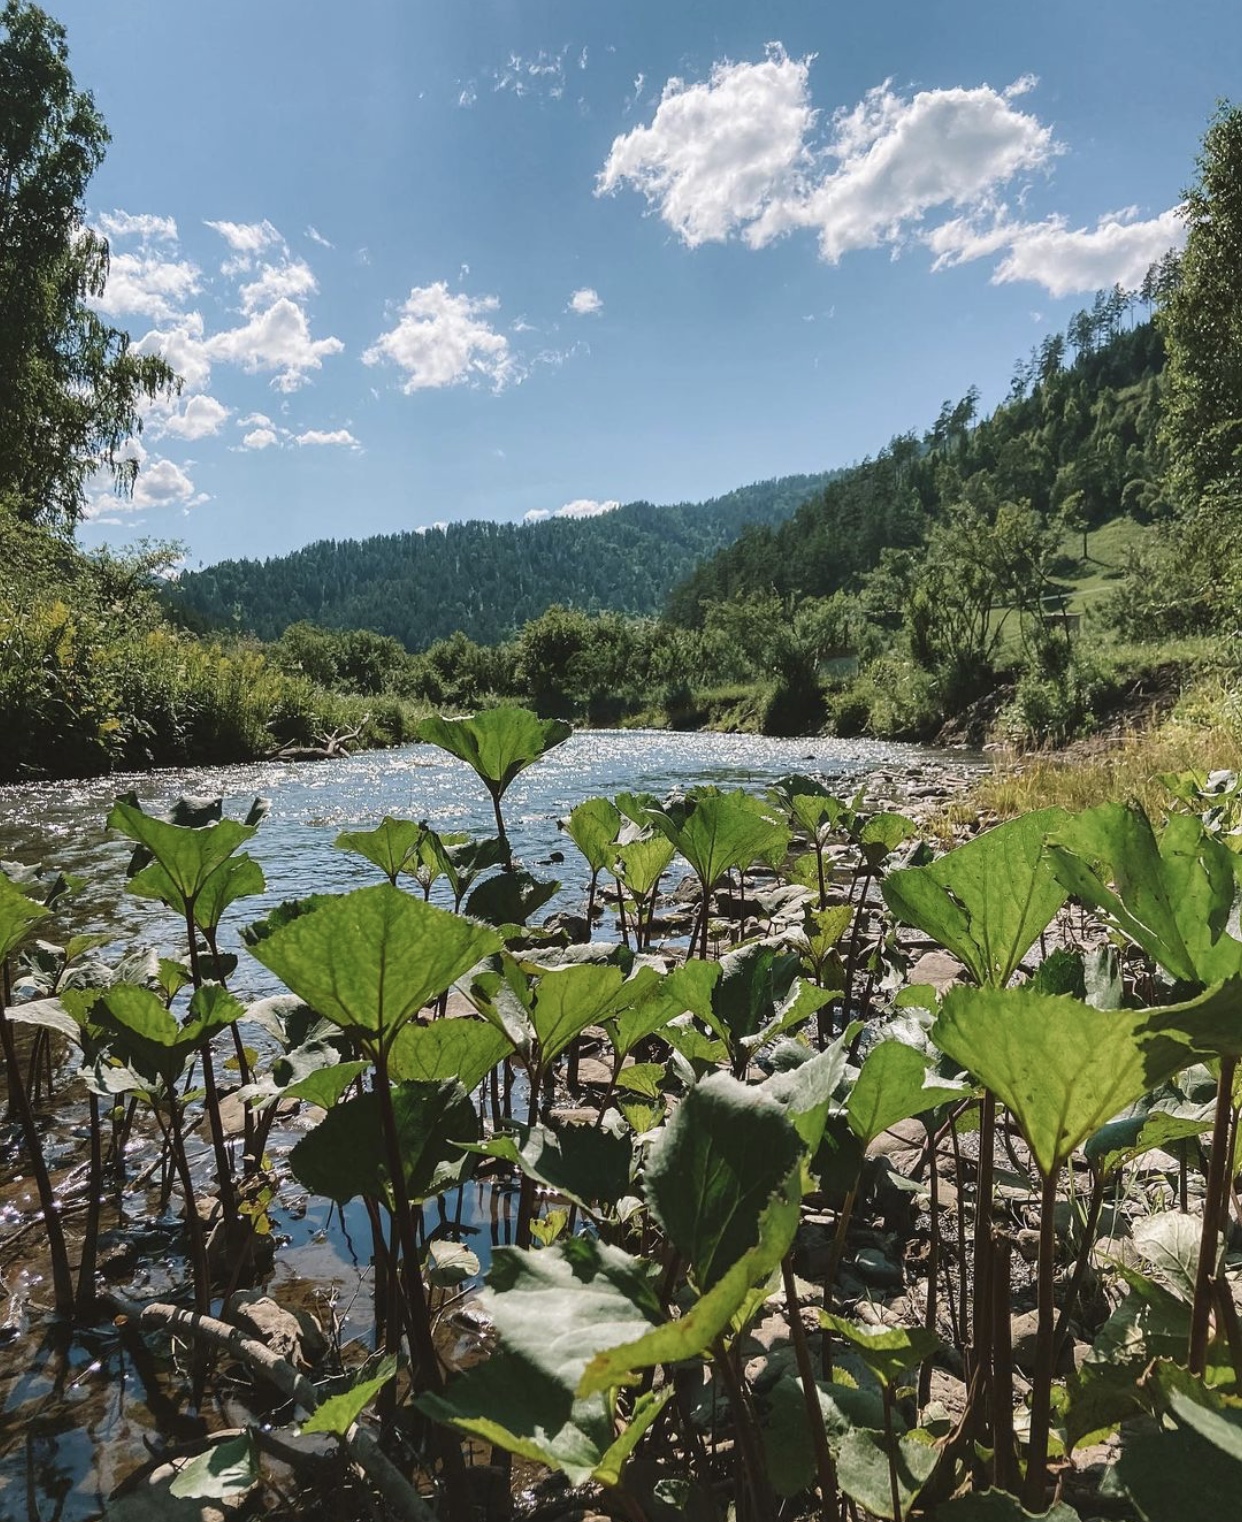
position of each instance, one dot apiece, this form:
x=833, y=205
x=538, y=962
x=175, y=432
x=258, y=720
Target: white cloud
x=278, y=339
x=586, y=302
x=468, y=96
x=431, y=528
x=897, y=159
x=442, y=339
x=717, y=155
x=292, y=280
x=200, y=418
x=254, y=419
x=737, y=157
x=160, y=483
x=316, y=236
x=581, y=507
x=1118, y=250
x=248, y=237
x=183, y=347
x=147, y=286
x=341, y=436
x=260, y=438
x=151, y=229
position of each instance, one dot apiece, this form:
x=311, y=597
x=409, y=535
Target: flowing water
x=74, y=1414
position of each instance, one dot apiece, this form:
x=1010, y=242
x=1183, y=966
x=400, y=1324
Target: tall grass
x=1202, y=734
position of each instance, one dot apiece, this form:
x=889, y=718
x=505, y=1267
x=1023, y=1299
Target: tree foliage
x=70, y=386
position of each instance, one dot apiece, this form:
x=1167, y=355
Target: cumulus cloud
x=291, y=279
x=260, y=438
x=717, y=155
x=200, y=418
x=431, y=528
x=278, y=339
x=581, y=507
x=586, y=302
x=248, y=237
x=742, y=155
x=144, y=285
x=183, y=346
x=151, y=229
x=1066, y=261
x=445, y=339
x=161, y=483
x=339, y=436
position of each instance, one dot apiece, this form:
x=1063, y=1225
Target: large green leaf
x=553, y=1310
x=647, y=1001
x=1062, y=1067
x=546, y=1008
x=593, y=827
x=642, y=863
x=224, y=1470
x=1191, y=1470
x=589, y=1165
x=712, y=1315
x=895, y=1084
x=887, y=1351
x=498, y=742
x=371, y=959
x=394, y=845
x=998, y=1506
x=148, y=1036
x=463, y=1049
x=864, y=1475
x=17, y=914
x=805, y=1093
x=344, y=1156
x=726, y=1151
x=188, y=855
x=724, y=831
x=987, y=901
x=1173, y=896
x=510, y=898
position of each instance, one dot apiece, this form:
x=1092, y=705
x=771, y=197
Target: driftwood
x=399, y=1495
x=329, y=746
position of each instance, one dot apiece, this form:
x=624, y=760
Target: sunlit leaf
x=987, y=901
x=338, y=1413
x=371, y=959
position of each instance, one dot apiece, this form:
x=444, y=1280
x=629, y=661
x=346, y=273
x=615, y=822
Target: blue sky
x=495, y=258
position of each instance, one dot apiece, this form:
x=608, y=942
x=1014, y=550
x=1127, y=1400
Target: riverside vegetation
x=771, y=1195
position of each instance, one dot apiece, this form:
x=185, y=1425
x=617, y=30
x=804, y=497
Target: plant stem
x=1033, y=1495
x=90, y=1235
x=933, y=1264
x=1213, y=1199
x=19, y=1103
x=762, y=1504
x=1090, y=1227
x=890, y=1449
x=981, y=1318
x=830, y=1509
x=1005, y=1468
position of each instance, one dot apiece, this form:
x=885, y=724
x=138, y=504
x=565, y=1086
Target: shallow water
x=76, y=1417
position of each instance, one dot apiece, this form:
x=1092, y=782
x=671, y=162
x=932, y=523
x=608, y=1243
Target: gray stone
x=296, y=1336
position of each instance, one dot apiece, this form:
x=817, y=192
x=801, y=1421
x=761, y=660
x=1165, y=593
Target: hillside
x=1075, y=439
x=486, y=579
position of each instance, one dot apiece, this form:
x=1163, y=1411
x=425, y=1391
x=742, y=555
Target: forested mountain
x=1076, y=437
x=485, y=579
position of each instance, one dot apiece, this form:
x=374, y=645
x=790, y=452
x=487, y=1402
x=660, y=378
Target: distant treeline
x=479, y=578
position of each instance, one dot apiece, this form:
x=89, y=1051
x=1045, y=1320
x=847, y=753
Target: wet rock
x=574, y=927
x=592, y=1073
x=939, y=969
x=1023, y=1331
x=295, y=1336
x=875, y=1267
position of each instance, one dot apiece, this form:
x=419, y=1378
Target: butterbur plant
x=771, y=1204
